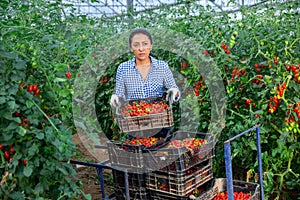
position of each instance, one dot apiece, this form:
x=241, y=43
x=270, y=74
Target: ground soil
x=88, y=175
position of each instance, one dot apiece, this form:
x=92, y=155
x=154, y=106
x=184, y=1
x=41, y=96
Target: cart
x=107, y=164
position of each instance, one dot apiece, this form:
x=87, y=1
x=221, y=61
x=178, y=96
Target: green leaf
x=32, y=150
x=12, y=126
x=7, y=136
x=64, y=102
x=40, y=135
x=39, y=188
x=62, y=67
x=8, y=55
x=11, y=105
x=29, y=103
x=17, y=195
x=20, y=64
x=28, y=170
x=64, y=92
x=22, y=131
x=2, y=100
x=59, y=79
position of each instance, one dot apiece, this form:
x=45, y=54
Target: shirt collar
x=154, y=61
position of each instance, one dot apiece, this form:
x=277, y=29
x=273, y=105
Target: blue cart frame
x=228, y=162
x=99, y=167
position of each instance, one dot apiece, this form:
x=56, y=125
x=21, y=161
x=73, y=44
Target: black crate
x=180, y=183
x=132, y=156
x=238, y=186
x=135, y=193
x=119, y=155
x=134, y=179
x=181, y=158
x=147, y=122
x=156, y=195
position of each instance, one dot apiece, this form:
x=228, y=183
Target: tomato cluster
x=248, y=103
x=31, y=88
x=258, y=67
x=295, y=70
x=275, y=59
x=258, y=79
x=237, y=196
x=143, y=108
x=198, y=85
x=225, y=48
x=142, y=141
x=274, y=101
x=104, y=79
x=296, y=110
x=183, y=65
x=8, y=152
x=189, y=143
x=23, y=120
x=236, y=72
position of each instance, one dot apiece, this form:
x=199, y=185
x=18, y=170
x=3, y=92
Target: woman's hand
x=114, y=101
x=173, y=94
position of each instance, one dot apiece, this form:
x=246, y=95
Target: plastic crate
x=134, y=179
x=131, y=156
x=180, y=183
x=156, y=195
x=181, y=158
x=135, y=193
x=140, y=123
x=238, y=186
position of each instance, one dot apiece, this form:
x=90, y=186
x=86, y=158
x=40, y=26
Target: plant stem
x=22, y=27
x=38, y=107
x=236, y=113
x=276, y=128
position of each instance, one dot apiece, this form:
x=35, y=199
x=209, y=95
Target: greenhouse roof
x=108, y=8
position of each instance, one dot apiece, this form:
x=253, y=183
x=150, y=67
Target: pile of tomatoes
x=143, y=108
x=147, y=142
x=189, y=143
x=237, y=196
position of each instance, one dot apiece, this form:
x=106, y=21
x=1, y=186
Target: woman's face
x=141, y=46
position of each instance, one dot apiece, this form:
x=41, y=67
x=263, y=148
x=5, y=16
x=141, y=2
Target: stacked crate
x=131, y=157
x=173, y=172
x=136, y=185
x=188, y=168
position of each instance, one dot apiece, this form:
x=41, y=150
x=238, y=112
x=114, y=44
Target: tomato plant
x=42, y=49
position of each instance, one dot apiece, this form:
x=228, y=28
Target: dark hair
x=140, y=31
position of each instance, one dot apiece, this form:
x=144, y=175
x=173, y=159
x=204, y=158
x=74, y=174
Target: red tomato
x=6, y=155
x=34, y=87
x=24, y=162
x=30, y=88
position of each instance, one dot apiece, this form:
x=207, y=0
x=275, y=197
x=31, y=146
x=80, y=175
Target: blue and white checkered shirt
x=130, y=84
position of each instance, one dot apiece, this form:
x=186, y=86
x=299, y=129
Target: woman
x=143, y=76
